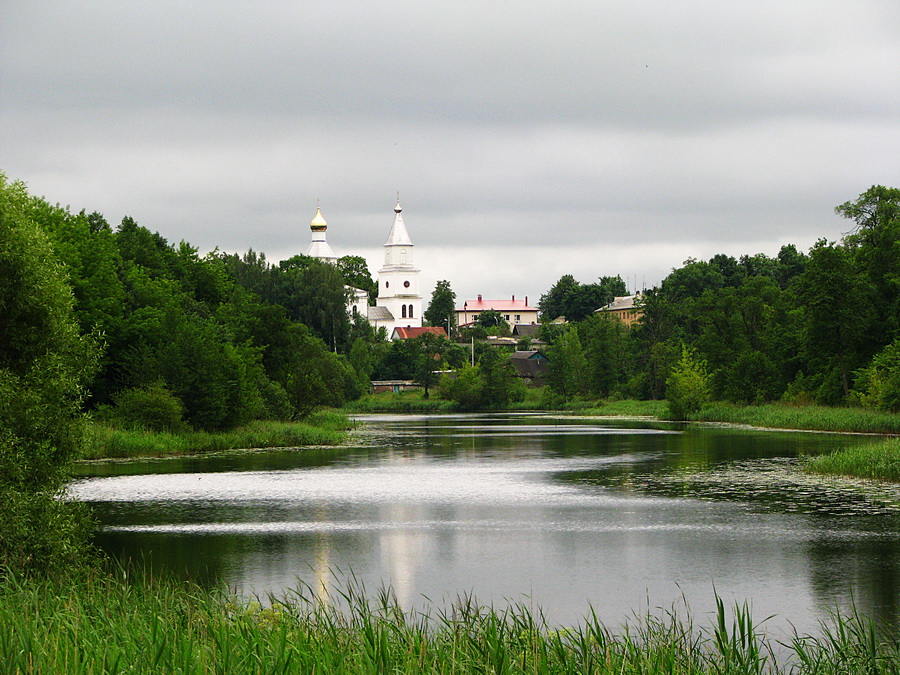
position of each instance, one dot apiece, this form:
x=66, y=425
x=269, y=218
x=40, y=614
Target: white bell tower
x=398, y=280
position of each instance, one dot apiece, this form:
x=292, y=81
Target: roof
x=380, y=314
x=398, y=235
x=526, y=354
x=499, y=305
x=526, y=329
x=404, y=333
x=620, y=303
x=531, y=364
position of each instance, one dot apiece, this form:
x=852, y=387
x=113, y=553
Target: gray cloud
x=549, y=133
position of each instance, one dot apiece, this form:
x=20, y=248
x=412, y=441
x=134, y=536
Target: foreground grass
x=879, y=461
x=105, y=623
x=810, y=417
x=321, y=428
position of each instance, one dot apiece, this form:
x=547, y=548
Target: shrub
x=151, y=408
x=688, y=386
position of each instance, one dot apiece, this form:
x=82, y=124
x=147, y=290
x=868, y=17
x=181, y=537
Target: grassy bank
x=880, y=461
x=407, y=401
x=107, y=624
x=811, y=417
x=321, y=428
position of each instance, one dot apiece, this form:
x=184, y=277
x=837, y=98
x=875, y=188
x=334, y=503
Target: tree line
x=820, y=326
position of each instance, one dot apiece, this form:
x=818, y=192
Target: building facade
x=513, y=311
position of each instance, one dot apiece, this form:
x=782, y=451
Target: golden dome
x=318, y=223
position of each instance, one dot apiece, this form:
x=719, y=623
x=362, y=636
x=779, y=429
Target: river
x=559, y=512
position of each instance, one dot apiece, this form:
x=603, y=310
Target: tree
x=577, y=301
x=493, y=322
x=876, y=245
x=836, y=301
x=355, y=272
x=44, y=365
x=568, y=366
x=442, y=308
x=688, y=386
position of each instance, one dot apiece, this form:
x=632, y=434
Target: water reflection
x=563, y=511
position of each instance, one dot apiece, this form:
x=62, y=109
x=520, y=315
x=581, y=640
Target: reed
x=321, y=428
x=879, y=461
x=113, y=623
x=810, y=417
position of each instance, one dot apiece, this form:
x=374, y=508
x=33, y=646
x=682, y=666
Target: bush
x=878, y=385
x=688, y=386
x=151, y=408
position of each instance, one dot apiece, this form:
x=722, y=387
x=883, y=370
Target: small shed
x=532, y=365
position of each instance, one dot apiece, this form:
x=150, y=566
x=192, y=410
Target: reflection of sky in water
x=563, y=512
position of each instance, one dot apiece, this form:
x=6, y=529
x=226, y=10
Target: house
x=532, y=366
x=626, y=308
x=404, y=333
x=513, y=311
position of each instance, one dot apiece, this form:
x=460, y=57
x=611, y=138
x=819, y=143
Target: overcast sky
x=527, y=139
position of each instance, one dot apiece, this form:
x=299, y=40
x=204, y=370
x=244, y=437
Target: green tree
x=442, y=308
x=493, y=322
x=44, y=365
x=568, y=366
x=355, y=271
x=876, y=245
x=836, y=300
x=688, y=386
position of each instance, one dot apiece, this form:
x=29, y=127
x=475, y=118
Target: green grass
x=811, y=417
x=407, y=401
x=107, y=623
x=879, y=461
x=321, y=428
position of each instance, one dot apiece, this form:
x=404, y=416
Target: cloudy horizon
x=527, y=140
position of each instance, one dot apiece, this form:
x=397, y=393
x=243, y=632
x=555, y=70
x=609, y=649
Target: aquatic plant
x=110, y=622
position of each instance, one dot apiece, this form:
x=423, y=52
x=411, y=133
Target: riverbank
x=878, y=461
x=113, y=622
x=321, y=428
x=805, y=417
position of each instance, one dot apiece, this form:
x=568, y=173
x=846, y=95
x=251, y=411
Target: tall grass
x=880, y=461
x=812, y=417
x=105, y=623
x=407, y=401
x=321, y=428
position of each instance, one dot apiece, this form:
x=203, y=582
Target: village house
x=626, y=309
x=513, y=311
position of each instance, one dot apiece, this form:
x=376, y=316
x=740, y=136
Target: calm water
x=563, y=513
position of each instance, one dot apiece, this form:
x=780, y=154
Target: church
x=399, y=303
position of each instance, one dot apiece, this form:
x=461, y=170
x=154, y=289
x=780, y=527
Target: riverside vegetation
x=114, y=622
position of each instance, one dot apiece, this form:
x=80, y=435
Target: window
x=506, y=316
x=387, y=284
x=404, y=311
x=518, y=318
x=405, y=284
x=410, y=310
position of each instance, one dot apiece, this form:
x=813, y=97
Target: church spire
x=398, y=235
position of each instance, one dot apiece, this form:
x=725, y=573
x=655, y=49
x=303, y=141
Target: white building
x=399, y=301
